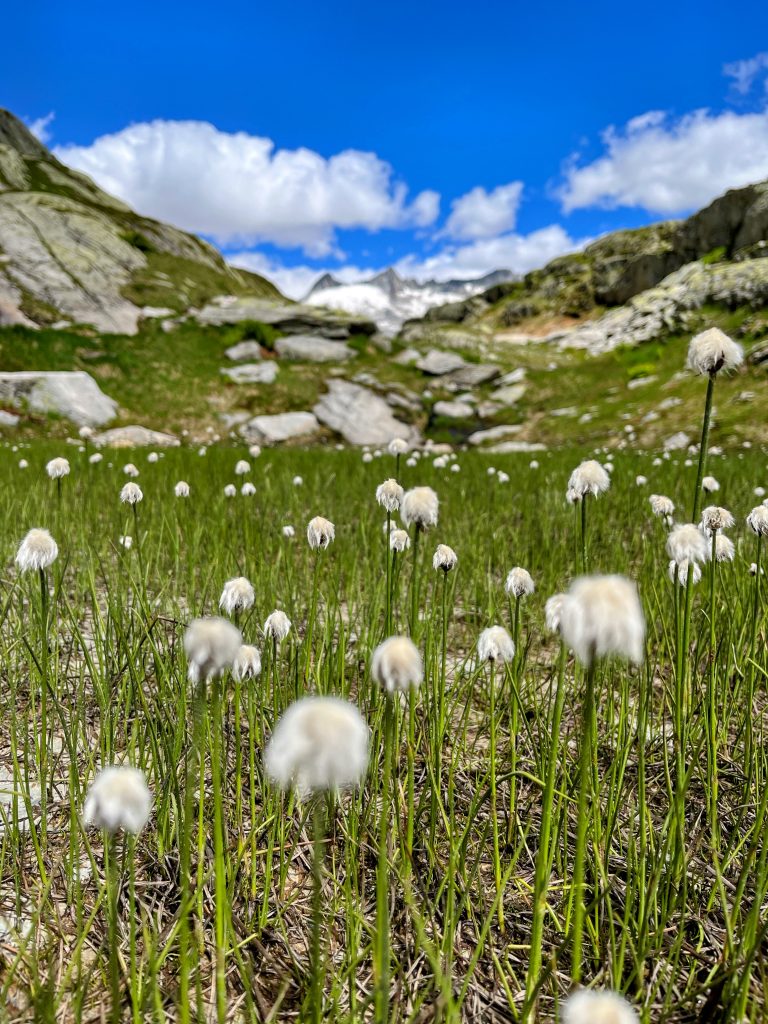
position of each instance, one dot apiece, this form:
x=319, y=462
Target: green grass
x=461, y=878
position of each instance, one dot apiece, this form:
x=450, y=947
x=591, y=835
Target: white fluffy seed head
x=248, y=490
x=86, y=433
x=686, y=543
x=683, y=568
x=254, y=451
x=399, y=540
x=95, y=459
x=589, y=478
x=519, y=582
x=37, y=551
x=397, y=446
x=298, y=481
x=181, y=490
x=237, y=596
x=230, y=490
x=242, y=467
x=288, y=531
x=23, y=464
x=712, y=351
x=320, y=533
x=57, y=468
x=277, y=626
x=725, y=549
x=118, y=799
x=131, y=494
x=130, y=470
x=396, y=665
x=211, y=645
x=444, y=558
x=247, y=663
x=153, y=457
x=757, y=520
x=601, y=616
x=661, y=505
x=496, y=645
x=715, y=518
x=389, y=495
x=588, y=1007
x=552, y=611
x=419, y=508
x=641, y=480
x=126, y=541
x=710, y=485
x=319, y=743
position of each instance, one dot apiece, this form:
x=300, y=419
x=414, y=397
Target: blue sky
x=445, y=139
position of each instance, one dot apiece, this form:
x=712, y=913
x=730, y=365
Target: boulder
x=135, y=437
x=244, y=350
x=313, y=349
x=508, y=395
x=437, y=363
x=7, y=419
x=74, y=394
x=407, y=357
x=676, y=442
x=359, y=415
x=453, y=410
x=284, y=426
x=288, y=318
x=511, y=447
x=252, y=373
x=493, y=434
x=472, y=374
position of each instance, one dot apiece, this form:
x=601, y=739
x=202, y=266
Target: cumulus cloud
x=518, y=253
x=671, y=166
x=746, y=72
x=39, y=127
x=239, y=189
x=481, y=214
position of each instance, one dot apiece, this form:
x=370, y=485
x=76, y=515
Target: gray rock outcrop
x=75, y=395
x=313, y=349
x=252, y=373
x=359, y=415
x=135, y=437
x=285, y=426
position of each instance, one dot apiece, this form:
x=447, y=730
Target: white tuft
x=57, y=468
x=588, y=478
x=419, y=508
x=131, y=494
x=757, y=520
x=552, y=612
x=211, y=645
x=237, y=595
x=37, y=551
x=320, y=533
x=396, y=665
x=682, y=571
x=390, y=495
x=686, y=543
x=399, y=540
x=277, y=626
x=712, y=351
x=444, y=558
x=519, y=582
x=242, y=467
x=247, y=663
x=118, y=798
x=602, y=616
x=587, y=1007
x=496, y=645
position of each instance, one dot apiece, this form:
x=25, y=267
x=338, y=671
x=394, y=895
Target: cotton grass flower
x=211, y=645
x=502, y=477
x=419, y=508
x=725, y=549
x=230, y=491
x=552, y=612
x=662, y=506
x=602, y=616
x=130, y=470
x=277, y=626
x=367, y=457
x=757, y=521
x=298, y=481
x=37, y=551
x=181, y=490
x=86, y=433
x=57, y=468
x=254, y=451
x=131, y=494
x=715, y=518
x=320, y=743
x=396, y=665
x=242, y=467
x=247, y=663
x=153, y=457
x=320, y=533
x=640, y=480
x=495, y=645
x=237, y=596
x=589, y=1007
x=589, y=478
x=397, y=446
x=390, y=495
x=712, y=351
x=126, y=541
x=710, y=485
x=399, y=540
x=23, y=464
x=686, y=543
x=444, y=558
x=288, y=531
x=679, y=571
x=519, y=582
x=118, y=799
x=247, y=490
x=95, y=459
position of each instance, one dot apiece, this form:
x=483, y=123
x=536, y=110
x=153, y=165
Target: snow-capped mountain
x=389, y=299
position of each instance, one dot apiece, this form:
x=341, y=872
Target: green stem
x=494, y=812
x=219, y=845
x=585, y=785
x=381, y=965
x=111, y=869
x=317, y=966
x=703, y=448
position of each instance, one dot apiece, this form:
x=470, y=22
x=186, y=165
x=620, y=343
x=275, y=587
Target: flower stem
x=585, y=786
x=381, y=965
x=317, y=966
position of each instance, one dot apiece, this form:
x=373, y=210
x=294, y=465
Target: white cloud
x=670, y=167
x=519, y=253
x=481, y=214
x=745, y=72
x=238, y=189
x=39, y=127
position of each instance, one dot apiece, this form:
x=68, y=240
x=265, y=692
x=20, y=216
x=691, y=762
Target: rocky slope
x=70, y=252
x=646, y=279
